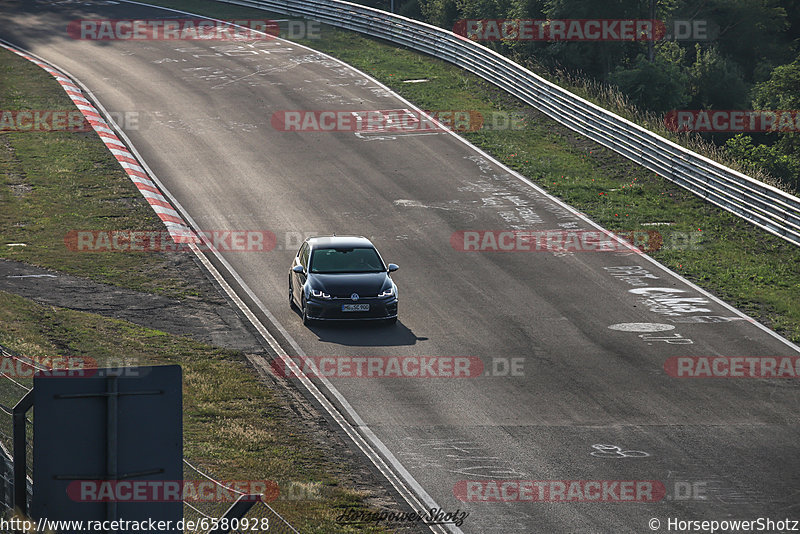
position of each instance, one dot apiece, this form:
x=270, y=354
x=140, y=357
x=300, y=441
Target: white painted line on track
x=550, y=197
x=156, y=200
x=363, y=428
x=361, y=435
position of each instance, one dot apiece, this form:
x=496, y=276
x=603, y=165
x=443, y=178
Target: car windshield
x=346, y=260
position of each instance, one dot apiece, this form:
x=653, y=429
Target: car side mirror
x=299, y=269
x=393, y=267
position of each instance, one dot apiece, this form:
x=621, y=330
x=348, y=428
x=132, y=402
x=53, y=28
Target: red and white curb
x=178, y=228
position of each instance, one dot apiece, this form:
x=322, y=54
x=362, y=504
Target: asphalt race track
x=722, y=448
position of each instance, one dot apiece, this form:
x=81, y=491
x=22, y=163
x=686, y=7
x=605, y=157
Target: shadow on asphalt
x=365, y=334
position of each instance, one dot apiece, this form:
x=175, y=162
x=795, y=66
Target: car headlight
x=386, y=293
x=319, y=294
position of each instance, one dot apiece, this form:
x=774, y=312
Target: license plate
x=355, y=307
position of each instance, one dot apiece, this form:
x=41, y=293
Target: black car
x=342, y=278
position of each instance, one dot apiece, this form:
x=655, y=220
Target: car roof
x=348, y=241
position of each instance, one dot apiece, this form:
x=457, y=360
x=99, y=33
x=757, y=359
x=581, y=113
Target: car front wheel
x=306, y=319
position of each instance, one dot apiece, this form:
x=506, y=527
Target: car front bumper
x=331, y=309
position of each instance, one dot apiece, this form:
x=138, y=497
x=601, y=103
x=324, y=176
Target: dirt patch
x=211, y=320
x=14, y=176
x=212, y=323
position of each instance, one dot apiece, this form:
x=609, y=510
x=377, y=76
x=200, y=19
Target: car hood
x=343, y=285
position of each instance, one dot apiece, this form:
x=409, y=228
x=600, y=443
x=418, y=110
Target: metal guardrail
x=259, y=512
x=762, y=205
x=14, y=388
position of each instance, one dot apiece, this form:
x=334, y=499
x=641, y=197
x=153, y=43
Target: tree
x=442, y=13
x=410, y=9
x=715, y=81
x=597, y=59
x=659, y=86
x=483, y=9
x=782, y=92
x=771, y=158
x=753, y=32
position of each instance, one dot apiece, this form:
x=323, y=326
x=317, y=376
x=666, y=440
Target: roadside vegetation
x=744, y=55
x=53, y=182
x=235, y=425
x=749, y=268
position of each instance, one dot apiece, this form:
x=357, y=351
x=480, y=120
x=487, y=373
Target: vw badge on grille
x=354, y=296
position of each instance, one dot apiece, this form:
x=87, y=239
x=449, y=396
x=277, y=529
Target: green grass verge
x=747, y=267
x=234, y=427
x=50, y=183
x=54, y=182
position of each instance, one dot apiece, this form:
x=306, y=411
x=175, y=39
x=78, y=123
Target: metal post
x=651, y=45
x=20, y=453
x=236, y=511
x=112, y=435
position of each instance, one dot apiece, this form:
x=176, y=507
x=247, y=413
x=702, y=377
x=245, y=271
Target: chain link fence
x=758, y=203
x=261, y=513
x=15, y=385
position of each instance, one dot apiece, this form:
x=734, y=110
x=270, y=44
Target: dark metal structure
x=95, y=434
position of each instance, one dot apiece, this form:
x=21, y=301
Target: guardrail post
x=756, y=202
x=20, y=452
x=236, y=511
